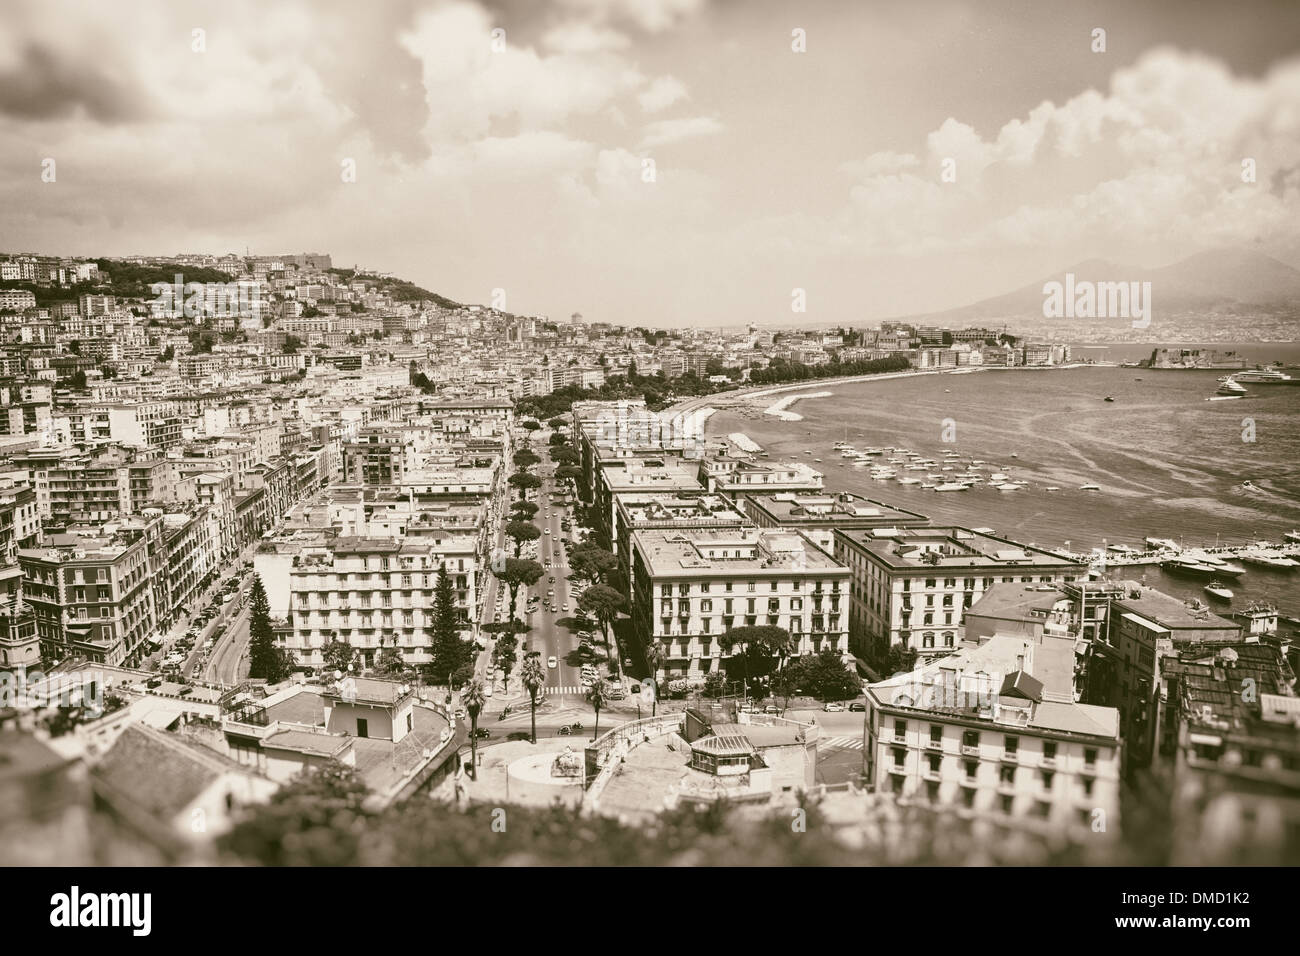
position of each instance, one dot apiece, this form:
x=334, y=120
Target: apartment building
x=689, y=586
x=367, y=592
x=993, y=732
x=378, y=459
x=737, y=476
x=820, y=514
x=911, y=585
x=694, y=511
x=93, y=596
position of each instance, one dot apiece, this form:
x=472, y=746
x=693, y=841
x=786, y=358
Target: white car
x=552, y=663
x=834, y=708
x=548, y=530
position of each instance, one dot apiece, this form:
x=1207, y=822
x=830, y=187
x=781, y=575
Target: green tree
x=526, y=458
x=316, y=819
x=525, y=482
x=590, y=564
x=265, y=660
x=596, y=695
x=515, y=573
x=564, y=455
x=521, y=531
x=534, y=679
x=450, y=651
x=568, y=473
x=762, y=646
x=900, y=659
x=826, y=677
x=339, y=656
x=557, y=439
x=604, y=604
x=473, y=698
x=523, y=511
x=655, y=655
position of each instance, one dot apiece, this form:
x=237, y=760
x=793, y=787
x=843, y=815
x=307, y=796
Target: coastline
x=779, y=409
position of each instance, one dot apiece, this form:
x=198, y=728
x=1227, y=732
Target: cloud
x=661, y=94
x=663, y=132
x=47, y=83
x=652, y=16
x=584, y=38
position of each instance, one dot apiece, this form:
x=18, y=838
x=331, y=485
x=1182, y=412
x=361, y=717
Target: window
x=968, y=797
x=900, y=728
x=363, y=727
x=409, y=723
x=1048, y=777
x=929, y=582
x=1011, y=745
x=900, y=755
x=970, y=738
x=1008, y=804
x=1049, y=750
x=1007, y=774
x=1090, y=756
x=1087, y=786
x=936, y=734
x=936, y=762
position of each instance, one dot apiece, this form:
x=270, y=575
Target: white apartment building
x=689, y=586
x=994, y=732
x=912, y=585
x=367, y=592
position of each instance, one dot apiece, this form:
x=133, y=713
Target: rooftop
x=949, y=547
x=708, y=552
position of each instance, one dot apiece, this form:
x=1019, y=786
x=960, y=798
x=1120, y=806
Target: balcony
x=1007, y=788
x=1088, y=769
x=1010, y=756
x=933, y=744
x=969, y=751
x=1048, y=763
x=900, y=739
x=929, y=773
x=898, y=769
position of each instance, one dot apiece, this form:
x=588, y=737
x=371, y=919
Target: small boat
x=1216, y=590
x=998, y=476
x=909, y=481
x=1230, y=387
x=927, y=484
x=1274, y=562
x=1108, y=399
x=1014, y=455
x=1008, y=487
x=952, y=486
x=1090, y=487
x=1051, y=488
x=1293, y=536
x=1248, y=486
x=1166, y=544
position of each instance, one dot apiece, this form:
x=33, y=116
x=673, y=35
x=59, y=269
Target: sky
x=662, y=163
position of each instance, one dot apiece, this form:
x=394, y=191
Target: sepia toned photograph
x=650, y=433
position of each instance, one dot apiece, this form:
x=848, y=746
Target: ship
x=1185, y=567
x=1230, y=386
x=1267, y=375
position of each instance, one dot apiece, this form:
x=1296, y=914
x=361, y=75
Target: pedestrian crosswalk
x=841, y=743
x=566, y=689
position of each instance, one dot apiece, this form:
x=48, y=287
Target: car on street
x=548, y=530
x=566, y=608
x=459, y=713
x=857, y=707
x=834, y=707
x=552, y=663
x=482, y=733
x=771, y=709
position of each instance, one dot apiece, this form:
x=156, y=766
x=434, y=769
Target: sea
x=1170, y=463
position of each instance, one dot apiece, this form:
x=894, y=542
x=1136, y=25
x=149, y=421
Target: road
x=547, y=636
x=227, y=665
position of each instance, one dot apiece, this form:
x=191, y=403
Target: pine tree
x=450, y=650
x=265, y=660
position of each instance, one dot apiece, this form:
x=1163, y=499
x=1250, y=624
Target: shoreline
x=779, y=409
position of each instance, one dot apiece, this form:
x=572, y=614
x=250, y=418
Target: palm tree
x=533, y=678
x=655, y=655
x=596, y=697
x=472, y=696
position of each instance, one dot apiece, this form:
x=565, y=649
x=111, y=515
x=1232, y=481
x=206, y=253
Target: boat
x=1265, y=376
x=1231, y=387
x=998, y=476
x=1194, y=568
x=1216, y=590
x=952, y=486
x=1248, y=486
x=1090, y=487
x=1051, y=488
x=927, y=484
x=1108, y=399
x=1293, y=536
x=909, y=481
x=1275, y=562
x=1166, y=544
x=1008, y=487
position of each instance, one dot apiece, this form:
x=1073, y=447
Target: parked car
x=857, y=707
x=834, y=707
x=552, y=663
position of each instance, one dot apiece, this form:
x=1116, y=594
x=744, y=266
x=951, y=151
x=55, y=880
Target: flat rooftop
x=708, y=552
x=838, y=510
x=949, y=547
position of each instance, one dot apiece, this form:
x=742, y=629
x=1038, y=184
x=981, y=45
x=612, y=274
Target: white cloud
x=581, y=37
x=663, y=132
x=661, y=94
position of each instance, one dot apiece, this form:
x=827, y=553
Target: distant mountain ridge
x=1225, y=281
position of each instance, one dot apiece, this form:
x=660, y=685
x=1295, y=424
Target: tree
x=604, y=604
x=655, y=655
x=316, y=819
x=826, y=677
x=557, y=439
x=590, y=564
x=473, y=698
x=265, y=660
x=784, y=683
x=291, y=344
x=523, y=511
x=900, y=659
x=389, y=663
x=450, y=651
x=557, y=423
x=597, y=694
x=339, y=656
x=526, y=458
x=534, y=678
x=524, y=482
x=514, y=573
x=568, y=473
x=530, y=426
x=564, y=455
x=715, y=684
x=167, y=354
x=765, y=642
x=521, y=531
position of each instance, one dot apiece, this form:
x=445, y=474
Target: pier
x=1151, y=556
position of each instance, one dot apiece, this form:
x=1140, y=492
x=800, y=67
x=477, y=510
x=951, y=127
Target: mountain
x=1228, y=281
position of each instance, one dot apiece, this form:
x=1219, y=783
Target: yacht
x=1216, y=590
x=998, y=476
x=1231, y=387
x=1264, y=560
x=1265, y=376
x=1165, y=544
x=909, y=481
x=952, y=486
x=1090, y=487
x=1293, y=536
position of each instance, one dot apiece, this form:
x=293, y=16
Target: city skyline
x=519, y=170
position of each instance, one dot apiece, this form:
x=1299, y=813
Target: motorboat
x=1265, y=376
x=1090, y=487
x=998, y=476
x=909, y=481
x=1216, y=590
x=1051, y=488
x=1231, y=387
x=1008, y=486
x=1263, y=559
x=952, y=486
